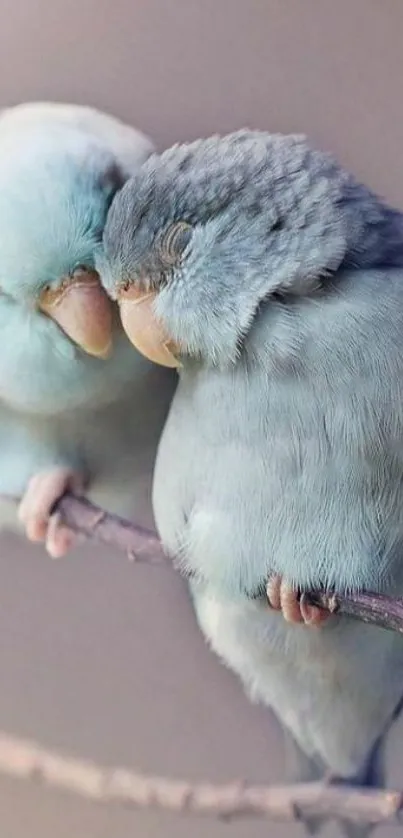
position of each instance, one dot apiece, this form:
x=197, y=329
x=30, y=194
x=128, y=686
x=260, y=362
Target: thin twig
x=140, y=544
x=378, y=609
x=27, y=760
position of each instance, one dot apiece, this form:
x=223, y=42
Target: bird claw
x=35, y=509
x=294, y=607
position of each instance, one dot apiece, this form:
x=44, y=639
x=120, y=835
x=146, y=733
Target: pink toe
x=36, y=529
x=312, y=615
x=59, y=539
x=59, y=544
x=273, y=592
x=290, y=604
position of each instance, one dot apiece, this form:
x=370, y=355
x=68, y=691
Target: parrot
x=272, y=280
x=79, y=410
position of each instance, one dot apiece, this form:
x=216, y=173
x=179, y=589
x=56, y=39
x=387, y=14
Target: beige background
x=97, y=657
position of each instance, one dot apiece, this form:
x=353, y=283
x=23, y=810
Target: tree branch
x=142, y=545
x=26, y=760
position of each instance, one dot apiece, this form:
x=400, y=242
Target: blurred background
x=99, y=658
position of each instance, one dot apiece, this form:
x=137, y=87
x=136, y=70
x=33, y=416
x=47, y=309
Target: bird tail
x=305, y=769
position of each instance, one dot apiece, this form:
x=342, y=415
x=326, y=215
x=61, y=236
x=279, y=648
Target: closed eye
x=174, y=242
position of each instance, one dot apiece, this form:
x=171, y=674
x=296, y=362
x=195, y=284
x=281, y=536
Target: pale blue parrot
x=77, y=407
x=275, y=282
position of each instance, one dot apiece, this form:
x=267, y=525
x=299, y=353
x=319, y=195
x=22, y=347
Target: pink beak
x=82, y=309
x=144, y=330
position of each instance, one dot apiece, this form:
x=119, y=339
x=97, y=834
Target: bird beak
x=143, y=328
x=81, y=308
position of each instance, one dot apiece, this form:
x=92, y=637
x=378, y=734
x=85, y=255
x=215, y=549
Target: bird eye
x=174, y=242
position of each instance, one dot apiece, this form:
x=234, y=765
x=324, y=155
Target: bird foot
x=293, y=605
x=35, y=509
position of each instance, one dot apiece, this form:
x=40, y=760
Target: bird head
x=53, y=206
x=208, y=232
